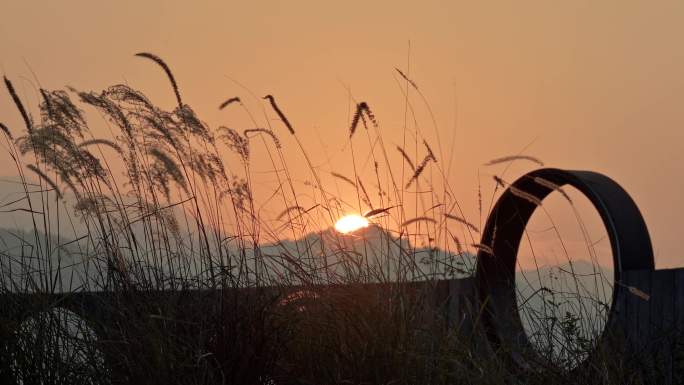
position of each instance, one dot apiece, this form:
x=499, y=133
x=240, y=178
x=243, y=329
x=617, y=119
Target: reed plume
x=361, y=110
x=376, y=212
x=6, y=131
x=166, y=69
x=459, y=245
x=419, y=170
x=268, y=132
x=547, y=183
x=104, y=142
x=344, y=178
x=525, y=195
x=289, y=209
x=429, y=150
x=418, y=219
x=406, y=158
x=229, y=101
x=514, y=157
x=235, y=142
x=463, y=221
x=19, y=104
x=366, y=198
x=282, y=117
x=483, y=248
x=403, y=75
x=45, y=178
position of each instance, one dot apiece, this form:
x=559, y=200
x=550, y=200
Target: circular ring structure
x=505, y=228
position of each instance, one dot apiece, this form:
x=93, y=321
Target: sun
x=349, y=223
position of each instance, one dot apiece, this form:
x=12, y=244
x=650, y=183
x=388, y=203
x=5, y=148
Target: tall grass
x=197, y=283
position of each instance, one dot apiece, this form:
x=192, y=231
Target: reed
x=261, y=295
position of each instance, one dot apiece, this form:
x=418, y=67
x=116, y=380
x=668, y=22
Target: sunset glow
x=350, y=223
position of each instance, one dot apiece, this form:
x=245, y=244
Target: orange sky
x=599, y=85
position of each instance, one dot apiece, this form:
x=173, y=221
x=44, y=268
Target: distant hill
x=370, y=254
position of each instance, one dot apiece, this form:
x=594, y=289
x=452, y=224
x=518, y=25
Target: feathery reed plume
x=282, y=117
x=363, y=106
x=104, y=142
x=463, y=221
x=419, y=170
x=525, y=195
x=638, y=293
x=344, y=178
x=547, y=183
x=512, y=158
x=483, y=248
x=459, y=245
x=289, y=209
x=376, y=212
x=166, y=69
x=418, y=219
x=235, y=142
x=229, y=101
x=20, y=106
x=67, y=180
x=635, y=291
x=403, y=75
x=479, y=195
x=361, y=110
x=6, y=130
x=406, y=158
x=429, y=150
x=355, y=121
x=169, y=167
x=366, y=198
x=434, y=206
x=268, y=132
x=46, y=178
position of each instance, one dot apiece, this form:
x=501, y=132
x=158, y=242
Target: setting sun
x=350, y=223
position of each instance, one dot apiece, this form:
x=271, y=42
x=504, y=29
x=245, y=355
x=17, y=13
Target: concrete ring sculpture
x=495, y=275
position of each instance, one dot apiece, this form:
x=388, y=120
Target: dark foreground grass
x=155, y=217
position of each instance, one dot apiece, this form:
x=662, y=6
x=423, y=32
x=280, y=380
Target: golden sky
x=594, y=85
